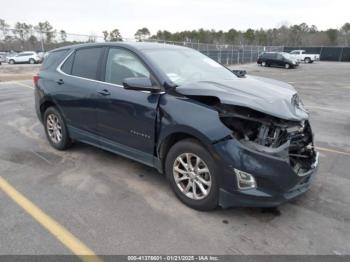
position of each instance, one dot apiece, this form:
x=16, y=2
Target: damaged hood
x=269, y=96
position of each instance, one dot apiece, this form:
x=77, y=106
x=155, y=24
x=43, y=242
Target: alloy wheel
x=54, y=128
x=192, y=176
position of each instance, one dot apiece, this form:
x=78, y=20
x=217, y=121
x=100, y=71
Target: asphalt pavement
x=112, y=205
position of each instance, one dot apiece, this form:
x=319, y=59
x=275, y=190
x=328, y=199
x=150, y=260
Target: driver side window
x=123, y=64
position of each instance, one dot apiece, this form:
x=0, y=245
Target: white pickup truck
x=301, y=55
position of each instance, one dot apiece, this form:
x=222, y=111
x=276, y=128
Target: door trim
x=119, y=149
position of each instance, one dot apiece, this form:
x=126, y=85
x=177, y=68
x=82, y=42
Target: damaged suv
x=222, y=138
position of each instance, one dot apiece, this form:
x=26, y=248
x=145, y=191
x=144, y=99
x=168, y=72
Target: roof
x=135, y=45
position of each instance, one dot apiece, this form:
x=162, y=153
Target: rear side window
x=67, y=65
x=53, y=59
x=86, y=62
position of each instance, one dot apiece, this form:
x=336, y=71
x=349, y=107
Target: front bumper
x=276, y=180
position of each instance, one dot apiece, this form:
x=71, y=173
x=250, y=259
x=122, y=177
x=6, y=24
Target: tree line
x=23, y=36
x=294, y=35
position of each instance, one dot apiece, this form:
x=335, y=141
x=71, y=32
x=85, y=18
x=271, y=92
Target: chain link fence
x=16, y=41
x=226, y=54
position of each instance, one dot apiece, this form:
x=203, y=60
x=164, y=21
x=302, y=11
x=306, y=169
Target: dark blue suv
x=221, y=137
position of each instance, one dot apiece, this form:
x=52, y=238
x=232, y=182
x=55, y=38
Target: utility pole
x=42, y=42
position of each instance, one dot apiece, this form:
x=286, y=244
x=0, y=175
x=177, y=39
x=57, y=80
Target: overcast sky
x=94, y=16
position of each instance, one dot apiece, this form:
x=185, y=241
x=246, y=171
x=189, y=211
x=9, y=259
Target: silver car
x=25, y=57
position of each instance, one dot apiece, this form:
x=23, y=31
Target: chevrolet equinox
x=222, y=138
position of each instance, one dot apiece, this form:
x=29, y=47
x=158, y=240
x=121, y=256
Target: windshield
x=187, y=65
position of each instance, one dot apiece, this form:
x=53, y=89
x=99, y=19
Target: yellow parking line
x=22, y=84
x=62, y=234
x=333, y=151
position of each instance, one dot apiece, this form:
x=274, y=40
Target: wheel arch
x=45, y=105
x=170, y=139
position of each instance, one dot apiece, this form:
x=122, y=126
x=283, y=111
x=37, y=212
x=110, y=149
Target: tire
x=307, y=60
x=55, y=129
x=287, y=66
x=31, y=61
x=11, y=62
x=263, y=64
x=208, y=180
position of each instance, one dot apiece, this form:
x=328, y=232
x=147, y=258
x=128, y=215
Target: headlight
x=245, y=180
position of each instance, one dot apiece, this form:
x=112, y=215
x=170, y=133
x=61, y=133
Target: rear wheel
x=263, y=63
x=307, y=60
x=55, y=129
x=11, y=61
x=192, y=174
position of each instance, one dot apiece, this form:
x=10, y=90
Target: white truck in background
x=301, y=55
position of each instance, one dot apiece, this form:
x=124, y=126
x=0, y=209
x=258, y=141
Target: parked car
x=25, y=57
x=278, y=59
x=2, y=57
x=301, y=55
x=221, y=137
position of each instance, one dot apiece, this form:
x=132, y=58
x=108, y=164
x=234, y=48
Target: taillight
x=35, y=80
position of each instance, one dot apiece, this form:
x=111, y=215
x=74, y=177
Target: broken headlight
x=290, y=140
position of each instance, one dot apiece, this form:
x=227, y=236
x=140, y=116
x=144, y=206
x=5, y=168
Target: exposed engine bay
x=287, y=139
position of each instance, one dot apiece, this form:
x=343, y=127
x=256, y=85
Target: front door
x=126, y=119
x=280, y=60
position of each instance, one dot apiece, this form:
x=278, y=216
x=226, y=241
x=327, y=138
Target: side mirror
x=139, y=84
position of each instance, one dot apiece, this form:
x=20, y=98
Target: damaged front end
x=289, y=140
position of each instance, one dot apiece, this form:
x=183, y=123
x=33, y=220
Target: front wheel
x=287, y=66
x=192, y=174
x=11, y=62
x=55, y=129
x=31, y=61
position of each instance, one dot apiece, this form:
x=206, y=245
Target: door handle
x=60, y=81
x=104, y=92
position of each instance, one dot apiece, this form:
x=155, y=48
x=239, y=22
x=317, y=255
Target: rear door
x=76, y=86
x=272, y=59
x=280, y=60
x=23, y=57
